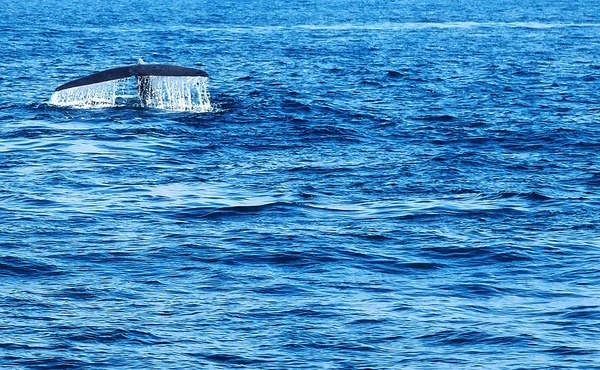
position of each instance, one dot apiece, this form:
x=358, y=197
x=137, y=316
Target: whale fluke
x=161, y=86
x=139, y=70
x=108, y=75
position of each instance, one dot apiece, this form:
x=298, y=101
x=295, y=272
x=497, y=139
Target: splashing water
x=99, y=95
x=176, y=93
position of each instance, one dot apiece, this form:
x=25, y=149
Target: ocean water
x=381, y=184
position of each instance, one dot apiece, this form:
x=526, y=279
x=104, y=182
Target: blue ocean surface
x=380, y=184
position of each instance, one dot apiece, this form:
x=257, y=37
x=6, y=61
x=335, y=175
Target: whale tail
x=139, y=70
x=158, y=85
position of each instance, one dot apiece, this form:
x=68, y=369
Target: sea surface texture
x=379, y=184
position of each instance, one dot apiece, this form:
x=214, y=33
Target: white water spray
x=99, y=95
x=182, y=93
x=176, y=93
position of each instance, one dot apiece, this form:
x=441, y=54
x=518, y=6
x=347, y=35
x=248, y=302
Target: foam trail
x=99, y=95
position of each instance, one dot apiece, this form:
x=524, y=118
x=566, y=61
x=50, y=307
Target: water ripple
x=380, y=185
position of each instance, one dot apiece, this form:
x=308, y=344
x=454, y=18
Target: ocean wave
x=27, y=268
x=381, y=186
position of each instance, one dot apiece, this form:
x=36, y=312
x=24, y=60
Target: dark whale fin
x=167, y=70
x=108, y=75
x=139, y=70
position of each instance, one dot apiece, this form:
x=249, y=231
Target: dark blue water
x=383, y=184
